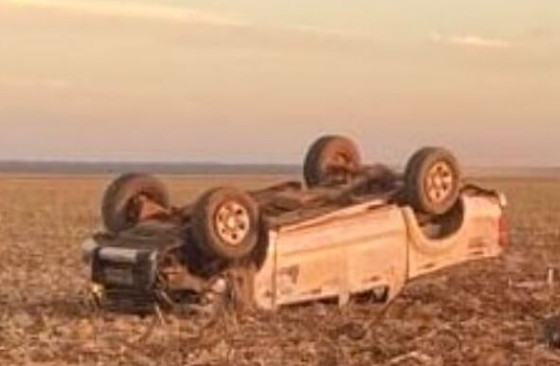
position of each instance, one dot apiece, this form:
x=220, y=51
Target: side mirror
x=502, y=200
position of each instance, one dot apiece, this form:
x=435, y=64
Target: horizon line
x=49, y=161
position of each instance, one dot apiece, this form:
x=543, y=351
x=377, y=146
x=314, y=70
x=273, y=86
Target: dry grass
x=480, y=313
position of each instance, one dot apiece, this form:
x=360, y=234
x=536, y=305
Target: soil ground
x=484, y=313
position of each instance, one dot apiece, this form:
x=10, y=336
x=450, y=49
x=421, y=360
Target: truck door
x=348, y=251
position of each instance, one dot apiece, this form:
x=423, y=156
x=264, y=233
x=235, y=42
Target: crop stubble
x=485, y=313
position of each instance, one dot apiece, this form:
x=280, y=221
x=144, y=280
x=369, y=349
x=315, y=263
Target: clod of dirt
x=551, y=331
x=353, y=331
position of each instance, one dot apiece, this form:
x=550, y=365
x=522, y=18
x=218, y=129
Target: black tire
x=226, y=223
x=117, y=209
x=331, y=160
x=433, y=181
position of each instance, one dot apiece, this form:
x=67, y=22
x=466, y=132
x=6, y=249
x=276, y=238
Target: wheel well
x=443, y=226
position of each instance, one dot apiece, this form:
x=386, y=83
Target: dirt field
x=477, y=314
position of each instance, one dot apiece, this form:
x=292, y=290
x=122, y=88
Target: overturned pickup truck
x=350, y=229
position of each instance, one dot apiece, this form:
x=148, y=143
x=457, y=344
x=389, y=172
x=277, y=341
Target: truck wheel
x=122, y=201
x=432, y=181
x=225, y=223
x=331, y=160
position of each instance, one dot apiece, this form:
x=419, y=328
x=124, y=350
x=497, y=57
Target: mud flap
x=345, y=287
x=241, y=280
x=396, y=284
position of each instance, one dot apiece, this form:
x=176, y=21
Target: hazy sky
x=257, y=81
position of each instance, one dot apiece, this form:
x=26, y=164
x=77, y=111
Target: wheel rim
x=132, y=207
x=339, y=168
x=232, y=223
x=440, y=182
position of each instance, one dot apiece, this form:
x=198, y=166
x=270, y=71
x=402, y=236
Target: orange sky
x=254, y=81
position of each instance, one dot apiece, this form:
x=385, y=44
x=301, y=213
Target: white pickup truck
x=350, y=229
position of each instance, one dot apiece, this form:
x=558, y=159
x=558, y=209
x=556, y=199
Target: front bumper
x=121, y=267
x=136, y=278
